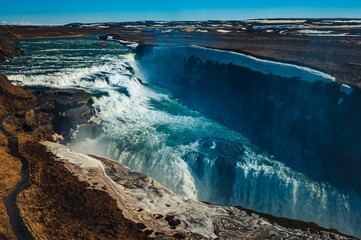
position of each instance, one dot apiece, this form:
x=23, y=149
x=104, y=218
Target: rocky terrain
x=329, y=45
x=160, y=213
x=28, y=117
x=76, y=196
x=11, y=99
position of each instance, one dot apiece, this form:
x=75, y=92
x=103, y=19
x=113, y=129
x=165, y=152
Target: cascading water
x=203, y=127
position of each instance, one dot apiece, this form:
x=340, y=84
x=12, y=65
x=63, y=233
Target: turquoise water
x=150, y=130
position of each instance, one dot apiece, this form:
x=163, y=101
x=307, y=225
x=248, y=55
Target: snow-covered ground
x=276, y=21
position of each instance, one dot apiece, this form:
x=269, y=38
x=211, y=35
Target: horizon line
x=27, y=23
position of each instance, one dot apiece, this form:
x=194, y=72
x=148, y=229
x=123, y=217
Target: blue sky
x=66, y=11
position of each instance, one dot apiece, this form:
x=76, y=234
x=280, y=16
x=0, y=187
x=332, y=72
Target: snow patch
x=223, y=31
x=288, y=26
x=314, y=31
x=346, y=89
x=283, y=68
x=343, y=21
x=132, y=45
x=201, y=30
x=276, y=21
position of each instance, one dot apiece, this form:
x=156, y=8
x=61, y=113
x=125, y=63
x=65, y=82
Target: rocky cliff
x=159, y=213
x=28, y=116
x=75, y=196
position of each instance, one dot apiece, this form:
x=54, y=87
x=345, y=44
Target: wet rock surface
x=68, y=108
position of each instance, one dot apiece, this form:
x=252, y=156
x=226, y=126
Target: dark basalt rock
x=69, y=108
x=312, y=127
x=221, y=147
x=172, y=221
x=225, y=155
x=88, y=130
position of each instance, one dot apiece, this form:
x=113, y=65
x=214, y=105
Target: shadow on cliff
x=312, y=127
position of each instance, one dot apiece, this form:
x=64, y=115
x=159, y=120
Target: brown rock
x=30, y=118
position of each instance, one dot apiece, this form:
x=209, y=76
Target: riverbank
x=59, y=204
x=30, y=116
x=337, y=56
x=160, y=213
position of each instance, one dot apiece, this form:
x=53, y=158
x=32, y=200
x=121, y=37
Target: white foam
x=76, y=77
x=132, y=137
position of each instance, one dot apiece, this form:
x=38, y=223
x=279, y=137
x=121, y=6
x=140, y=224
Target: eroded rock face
x=12, y=98
x=309, y=125
x=45, y=110
x=30, y=118
x=160, y=213
x=7, y=40
x=65, y=109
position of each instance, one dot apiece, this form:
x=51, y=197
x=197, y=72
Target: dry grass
x=58, y=206
x=10, y=168
x=12, y=90
x=12, y=98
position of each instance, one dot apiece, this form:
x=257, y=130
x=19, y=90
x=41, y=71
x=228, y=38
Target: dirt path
x=17, y=223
